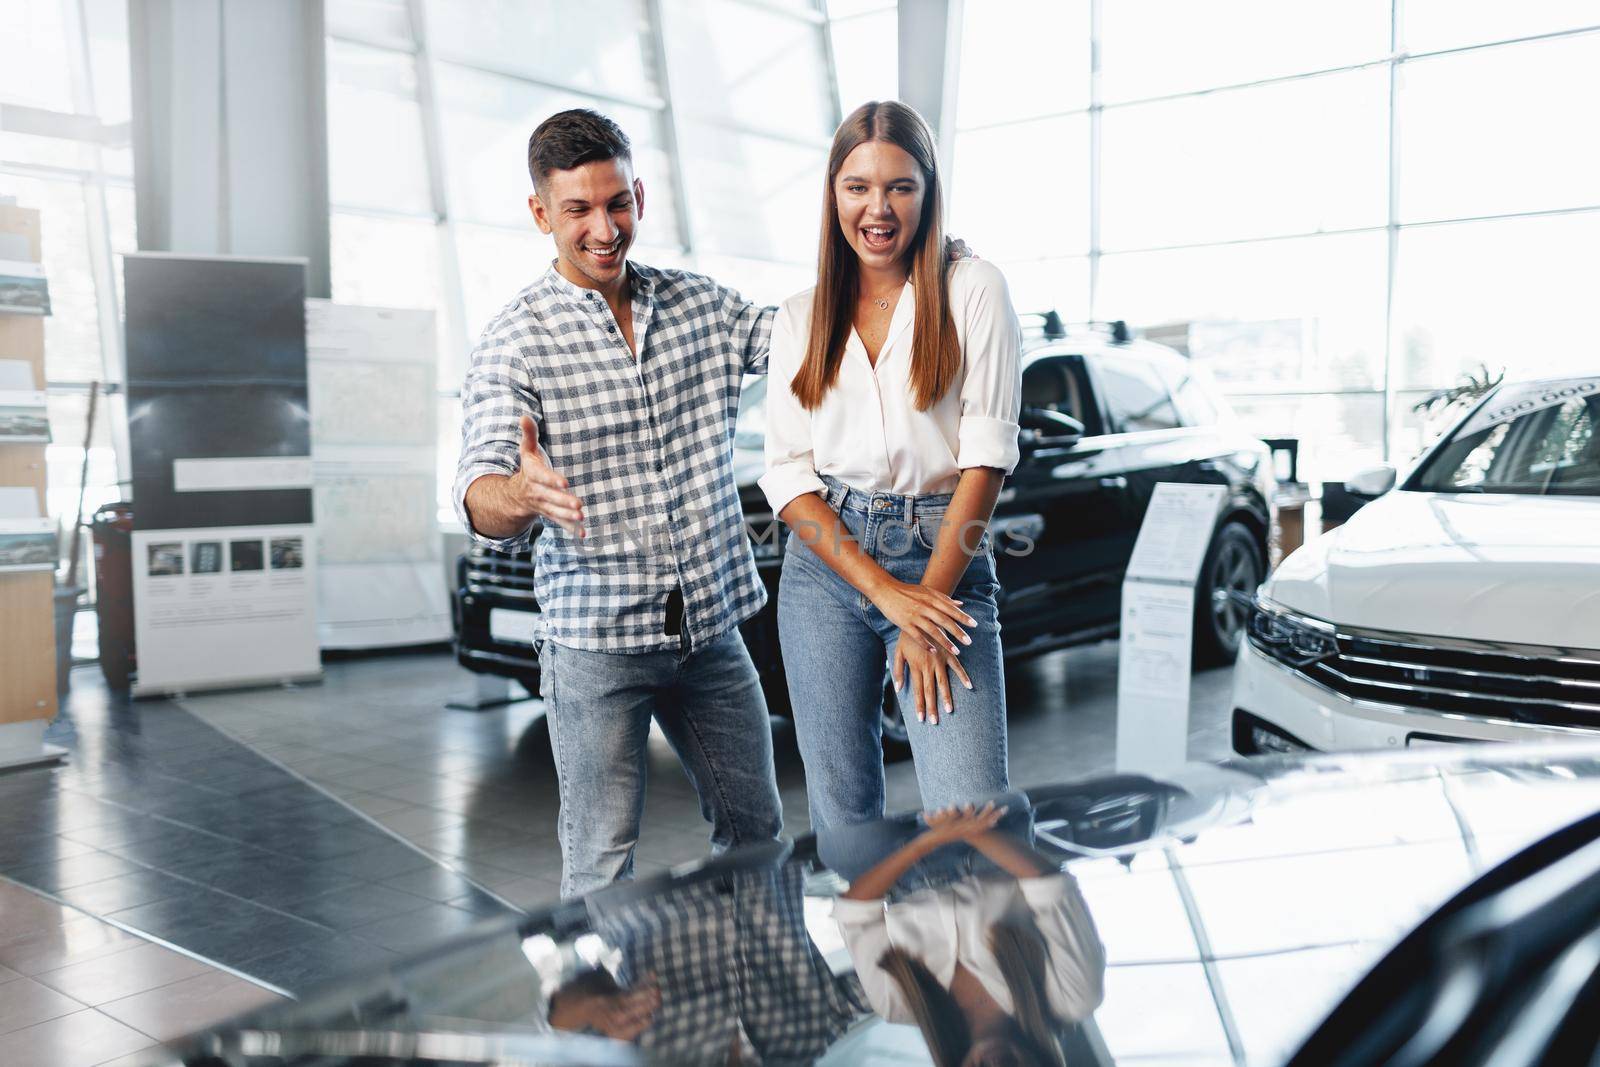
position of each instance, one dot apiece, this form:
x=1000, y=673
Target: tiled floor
x=477, y=789
x=76, y=991
x=262, y=830
x=169, y=828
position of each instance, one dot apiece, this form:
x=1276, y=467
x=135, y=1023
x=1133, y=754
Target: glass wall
x=64, y=151
x=1347, y=205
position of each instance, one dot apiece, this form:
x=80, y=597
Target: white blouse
x=943, y=927
x=867, y=432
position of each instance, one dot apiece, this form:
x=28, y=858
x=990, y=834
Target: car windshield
x=749, y=429
x=1541, y=439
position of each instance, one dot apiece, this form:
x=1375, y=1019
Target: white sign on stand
x=1158, y=627
x=225, y=606
x=374, y=403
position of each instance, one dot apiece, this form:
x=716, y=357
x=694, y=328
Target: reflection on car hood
x=1215, y=916
x=1483, y=567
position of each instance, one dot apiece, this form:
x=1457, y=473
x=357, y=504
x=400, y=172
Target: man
x=600, y=401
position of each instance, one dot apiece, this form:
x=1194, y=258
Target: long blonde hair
x=935, y=351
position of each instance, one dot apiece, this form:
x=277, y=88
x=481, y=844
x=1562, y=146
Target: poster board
x=23, y=287
x=224, y=554
x=372, y=374
x=1157, y=632
x=224, y=606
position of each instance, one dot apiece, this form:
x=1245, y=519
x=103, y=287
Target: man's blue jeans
x=712, y=711
x=836, y=647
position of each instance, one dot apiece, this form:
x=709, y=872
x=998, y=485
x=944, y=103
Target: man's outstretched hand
x=540, y=489
x=505, y=505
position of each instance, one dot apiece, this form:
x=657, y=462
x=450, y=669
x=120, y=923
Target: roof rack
x=1052, y=327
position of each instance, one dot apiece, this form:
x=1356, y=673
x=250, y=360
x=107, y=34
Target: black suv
x=1104, y=418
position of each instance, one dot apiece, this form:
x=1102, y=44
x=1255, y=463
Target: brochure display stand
x=28, y=550
x=1158, y=627
x=224, y=552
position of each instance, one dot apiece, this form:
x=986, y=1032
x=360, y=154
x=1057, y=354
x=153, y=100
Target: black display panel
x=216, y=356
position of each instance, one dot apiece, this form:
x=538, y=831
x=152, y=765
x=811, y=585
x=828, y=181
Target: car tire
x=896, y=741
x=1233, y=565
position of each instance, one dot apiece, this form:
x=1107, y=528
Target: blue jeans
x=851, y=851
x=836, y=650
x=712, y=711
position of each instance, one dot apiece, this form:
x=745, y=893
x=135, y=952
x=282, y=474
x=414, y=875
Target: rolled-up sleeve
x=497, y=392
x=1076, y=967
x=749, y=329
x=991, y=394
x=791, y=471
x=864, y=927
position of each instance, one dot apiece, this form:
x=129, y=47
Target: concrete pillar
x=930, y=61
x=230, y=129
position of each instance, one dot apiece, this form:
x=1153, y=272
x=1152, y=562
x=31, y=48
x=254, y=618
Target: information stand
x=224, y=551
x=1158, y=627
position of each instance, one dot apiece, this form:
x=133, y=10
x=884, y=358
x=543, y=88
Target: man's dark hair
x=570, y=139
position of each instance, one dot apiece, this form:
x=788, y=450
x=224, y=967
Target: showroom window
x=1341, y=207
x=65, y=152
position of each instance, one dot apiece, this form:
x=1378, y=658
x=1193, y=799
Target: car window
x=1058, y=383
x=1136, y=395
x=1541, y=439
x=1198, y=402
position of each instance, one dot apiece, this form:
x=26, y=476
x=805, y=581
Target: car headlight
x=1288, y=637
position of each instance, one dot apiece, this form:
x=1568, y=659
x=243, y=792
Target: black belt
x=674, y=624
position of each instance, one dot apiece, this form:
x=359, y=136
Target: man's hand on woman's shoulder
x=955, y=249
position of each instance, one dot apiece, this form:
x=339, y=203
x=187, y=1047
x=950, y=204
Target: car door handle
x=1115, y=481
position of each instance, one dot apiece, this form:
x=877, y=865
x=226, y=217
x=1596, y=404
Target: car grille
x=486, y=570
x=1520, y=683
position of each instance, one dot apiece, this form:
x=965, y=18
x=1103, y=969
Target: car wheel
x=1232, y=571
x=896, y=742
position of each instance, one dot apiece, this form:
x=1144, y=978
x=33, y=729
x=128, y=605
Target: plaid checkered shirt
x=736, y=965
x=645, y=443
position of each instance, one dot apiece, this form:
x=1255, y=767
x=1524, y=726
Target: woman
x=991, y=969
x=892, y=422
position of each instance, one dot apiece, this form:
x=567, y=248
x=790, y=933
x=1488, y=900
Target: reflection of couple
x=953, y=922
x=959, y=927
x=601, y=401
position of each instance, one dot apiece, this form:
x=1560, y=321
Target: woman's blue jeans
x=836, y=650
x=851, y=851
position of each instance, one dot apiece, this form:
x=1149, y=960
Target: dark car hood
x=1237, y=904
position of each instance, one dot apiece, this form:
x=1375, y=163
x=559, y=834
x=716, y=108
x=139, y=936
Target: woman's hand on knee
x=927, y=670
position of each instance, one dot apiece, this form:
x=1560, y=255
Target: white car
x=1462, y=605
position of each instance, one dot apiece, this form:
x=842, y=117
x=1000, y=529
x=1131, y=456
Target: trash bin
x=113, y=603
x=66, y=611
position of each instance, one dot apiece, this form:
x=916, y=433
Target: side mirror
x=1047, y=428
x=1372, y=481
